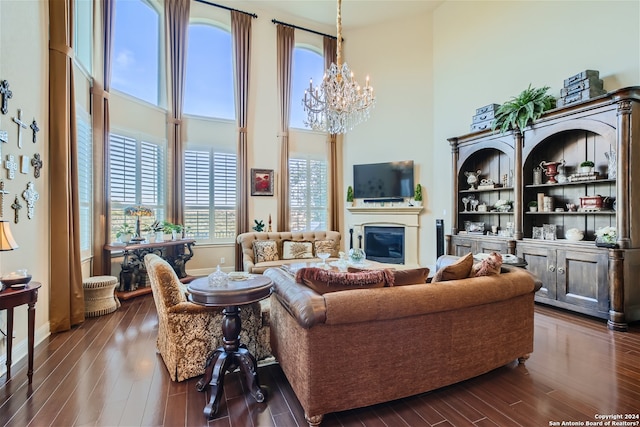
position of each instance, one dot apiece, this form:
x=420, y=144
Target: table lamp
x=138, y=211
x=7, y=243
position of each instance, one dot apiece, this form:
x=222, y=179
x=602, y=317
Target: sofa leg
x=314, y=420
x=522, y=359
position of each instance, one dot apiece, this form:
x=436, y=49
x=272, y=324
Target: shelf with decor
x=578, y=158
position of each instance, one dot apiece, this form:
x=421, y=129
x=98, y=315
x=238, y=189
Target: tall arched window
x=136, y=50
x=307, y=64
x=209, y=75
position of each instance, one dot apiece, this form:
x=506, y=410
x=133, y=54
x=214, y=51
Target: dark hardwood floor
x=107, y=373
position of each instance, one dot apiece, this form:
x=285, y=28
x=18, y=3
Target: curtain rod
x=253, y=15
x=275, y=21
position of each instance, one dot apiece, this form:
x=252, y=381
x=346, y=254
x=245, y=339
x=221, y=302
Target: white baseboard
x=20, y=348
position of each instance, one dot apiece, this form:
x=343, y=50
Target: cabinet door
x=460, y=246
x=541, y=261
x=582, y=280
x=488, y=246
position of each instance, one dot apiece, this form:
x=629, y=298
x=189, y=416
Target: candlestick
x=351, y=238
x=359, y=241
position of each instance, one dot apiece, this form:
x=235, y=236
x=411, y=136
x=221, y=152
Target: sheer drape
x=285, y=41
x=101, y=128
x=66, y=304
x=241, y=36
x=333, y=219
x=176, y=24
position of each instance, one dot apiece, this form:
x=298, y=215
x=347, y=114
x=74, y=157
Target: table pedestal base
x=226, y=359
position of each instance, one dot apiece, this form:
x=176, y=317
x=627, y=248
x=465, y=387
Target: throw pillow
x=489, y=266
x=458, y=270
x=411, y=276
x=327, y=245
x=323, y=281
x=265, y=250
x=297, y=249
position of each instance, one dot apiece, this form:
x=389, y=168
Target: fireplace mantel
x=404, y=216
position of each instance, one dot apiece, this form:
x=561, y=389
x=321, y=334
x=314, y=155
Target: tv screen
x=383, y=180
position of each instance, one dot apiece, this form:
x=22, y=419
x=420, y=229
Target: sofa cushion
x=323, y=281
x=456, y=271
x=265, y=250
x=326, y=245
x=489, y=266
x=411, y=276
x=297, y=249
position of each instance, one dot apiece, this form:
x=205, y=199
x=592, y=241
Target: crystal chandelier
x=339, y=103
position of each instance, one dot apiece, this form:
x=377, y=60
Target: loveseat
x=358, y=347
x=280, y=254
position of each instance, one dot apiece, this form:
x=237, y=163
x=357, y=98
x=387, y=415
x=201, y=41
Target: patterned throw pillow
x=413, y=276
x=456, y=271
x=265, y=250
x=297, y=249
x=490, y=266
x=323, y=281
x=328, y=245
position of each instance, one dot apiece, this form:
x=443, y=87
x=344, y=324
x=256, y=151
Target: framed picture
x=262, y=182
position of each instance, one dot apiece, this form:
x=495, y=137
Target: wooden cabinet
x=577, y=276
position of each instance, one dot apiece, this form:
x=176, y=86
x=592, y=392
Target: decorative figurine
x=472, y=179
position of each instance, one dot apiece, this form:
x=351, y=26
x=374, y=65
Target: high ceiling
x=355, y=13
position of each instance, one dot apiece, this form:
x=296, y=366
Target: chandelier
x=339, y=103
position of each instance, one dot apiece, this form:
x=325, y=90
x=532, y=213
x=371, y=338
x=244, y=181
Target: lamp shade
x=7, y=243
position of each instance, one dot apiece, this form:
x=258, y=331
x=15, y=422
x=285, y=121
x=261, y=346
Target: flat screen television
x=383, y=180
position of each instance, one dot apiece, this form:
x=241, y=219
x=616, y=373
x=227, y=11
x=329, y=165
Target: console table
x=11, y=298
x=133, y=272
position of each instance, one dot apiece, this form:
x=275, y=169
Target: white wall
x=24, y=63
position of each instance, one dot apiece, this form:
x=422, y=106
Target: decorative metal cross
x=34, y=127
x=16, y=206
x=4, y=138
x=2, y=193
x=31, y=196
x=21, y=125
x=36, y=162
x=11, y=166
x=6, y=95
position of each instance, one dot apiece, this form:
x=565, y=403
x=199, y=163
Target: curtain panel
x=285, y=41
x=241, y=39
x=66, y=303
x=333, y=223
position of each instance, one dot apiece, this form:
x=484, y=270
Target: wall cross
x=2, y=193
x=36, y=162
x=31, y=196
x=11, y=166
x=4, y=138
x=6, y=95
x=34, y=127
x=16, y=206
x=21, y=125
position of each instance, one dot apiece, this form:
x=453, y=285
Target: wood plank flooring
x=106, y=372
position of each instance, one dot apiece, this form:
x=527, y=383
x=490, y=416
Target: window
x=307, y=64
x=85, y=180
x=136, y=178
x=209, y=90
x=308, y=193
x=210, y=194
x=136, y=50
x=83, y=33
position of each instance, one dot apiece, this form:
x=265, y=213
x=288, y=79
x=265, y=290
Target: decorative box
x=590, y=203
x=477, y=127
x=487, y=108
x=488, y=116
x=582, y=85
x=580, y=96
x=583, y=75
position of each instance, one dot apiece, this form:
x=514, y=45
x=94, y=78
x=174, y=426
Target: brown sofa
x=355, y=348
x=246, y=242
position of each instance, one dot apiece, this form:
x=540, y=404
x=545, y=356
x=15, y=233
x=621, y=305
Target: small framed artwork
x=262, y=182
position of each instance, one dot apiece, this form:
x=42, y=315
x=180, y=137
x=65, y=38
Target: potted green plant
x=350, y=194
x=533, y=206
x=168, y=230
x=523, y=109
x=586, y=166
x=417, y=195
x=125, y=232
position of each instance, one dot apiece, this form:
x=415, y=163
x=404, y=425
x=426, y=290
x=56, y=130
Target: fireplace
x=384, y=244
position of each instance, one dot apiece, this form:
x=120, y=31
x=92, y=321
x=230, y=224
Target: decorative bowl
x=15, y=282
x=574, y=235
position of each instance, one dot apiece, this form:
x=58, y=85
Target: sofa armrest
x=303, y=303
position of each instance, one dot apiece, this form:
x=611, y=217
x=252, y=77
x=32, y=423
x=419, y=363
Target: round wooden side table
x=231, y=354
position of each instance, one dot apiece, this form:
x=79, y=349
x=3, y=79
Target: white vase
x=159, y=236
x=585, y=169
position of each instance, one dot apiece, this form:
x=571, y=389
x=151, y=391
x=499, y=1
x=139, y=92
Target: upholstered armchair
x=188, y=333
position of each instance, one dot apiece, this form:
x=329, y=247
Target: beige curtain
x=241, y=36
x=176, y=23
x=101, y=128
x=285, y=40
x=333, y=219
x=66, y=307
